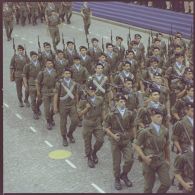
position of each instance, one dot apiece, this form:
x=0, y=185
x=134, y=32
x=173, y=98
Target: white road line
x=6, y=105
x=80, y=29
x=71, y=164
x=30, y=42
x=15, y=35
x=106, y=37
x=50, y=145
x=98, y=188
x=32, y=129
x=19, y=116
x=23, y=38
x=72, y=27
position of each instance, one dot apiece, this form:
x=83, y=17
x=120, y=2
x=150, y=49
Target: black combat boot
x=35, y=116
x=94, y=157
x=127, y=182
x=90, y=162
x=27, y=103
x=21, y=103
x=117, y=184
x=49, y=126
x=71, y=138
x=65, y=142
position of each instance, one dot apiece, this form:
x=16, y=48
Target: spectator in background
x=188, y=7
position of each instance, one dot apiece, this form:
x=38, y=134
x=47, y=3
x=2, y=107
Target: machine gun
x=39, y=45
x=183, y=79
x=102, y=44
x=128, y=38
x=111, y=37
x=87, y=40
x=63, y=42
x=75, y=45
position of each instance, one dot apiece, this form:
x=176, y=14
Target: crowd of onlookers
x=185, y=6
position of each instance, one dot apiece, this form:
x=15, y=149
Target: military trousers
x=99, y=134
x=149, y=177
x=35, y=102
x=19, y=83
x=123, y=147
x=66, y=111
x=48, y=106
x=55, y=35
x=8, y=27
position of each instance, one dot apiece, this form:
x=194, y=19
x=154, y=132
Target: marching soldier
x=8, y=20
x=107, y=68
x=102, y=88
x=52, y=21
x=42, y=6
x=182, y=136
x=79, y=72
x=86, y=60
x=140, y=45
x=91, y=109
x=66, y=95
x=45, y=86
x=30, y=72
x=178, y=108
x=152, y=145
x=67, y=7
x=70, y=52
x=17, y=64
x=23, y=11
x=112, y=57
x=119, y=78
x=34, y=11
x=47, y=54
x=49, y=7
x=86, y=14
x=60, y=63
x=95, y=50
x=119, y=125
x=17, y=13
x=183, y=170
x=119, y=48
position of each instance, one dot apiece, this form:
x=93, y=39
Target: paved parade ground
x=27, y=143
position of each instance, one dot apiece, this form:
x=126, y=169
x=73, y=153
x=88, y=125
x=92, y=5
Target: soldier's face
x=154, y=64
x=157, y=79
x=189, y=75
x=126, y=67
x=102, y=58
x=67, y=74
x=190, y=112
x=178, y=49
x=130, y=55
x=155, y=96
x=157, y=43
x=70, y=46
x=99, y=69
x=128, y=84
x=156, y=52
x=180, y=59
x=110, y=48
x=76, y=61
x=138, y=39
x=34, y=57
x=83, y=51
x=121, y=104
x=49, y=64
x=60, y=55
x=157, y=118
x=20, y=51
x=95, y=43
x=47, y=48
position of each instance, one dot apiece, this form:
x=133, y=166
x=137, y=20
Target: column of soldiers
x=133, y=96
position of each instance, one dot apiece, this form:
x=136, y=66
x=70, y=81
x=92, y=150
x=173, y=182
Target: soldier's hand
x=147, y=159
x=88, y=106
x=188, y=186
x=116, y=136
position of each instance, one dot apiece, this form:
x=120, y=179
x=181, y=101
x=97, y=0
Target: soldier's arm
x=38, y=83
x=182, y=93
x=56, y=98
x=12, y=68
x=107, y=125
x=166, y=148
x=25, y=75
x=83, y=108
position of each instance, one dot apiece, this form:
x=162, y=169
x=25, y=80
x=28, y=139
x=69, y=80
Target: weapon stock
x=25, y=50
x=14, y=47
x=39, y=45
x=87, y=40
x=75, y=45
x=129, y=38
x=111, y=37
x=63, y=42
x=102, y=44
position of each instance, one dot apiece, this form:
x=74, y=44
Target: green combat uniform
x=46, y=81
x=121, y=122
x=23, y=11
x=8, y=21
x=53, y=21
x=86, y=14
x=16, y=67
x=92, y=125
x=153, y=142
x=30, y=72
x=67, y=10
x=34, y=11
x=183, y=165
x=67, y=93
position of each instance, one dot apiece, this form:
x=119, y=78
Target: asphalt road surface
x=27, y=143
